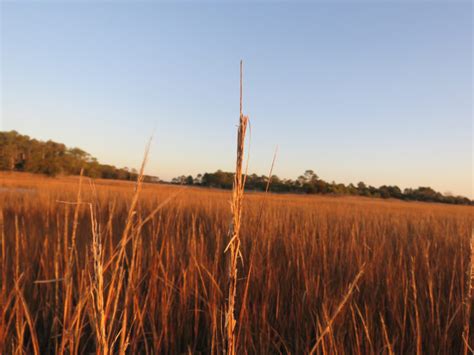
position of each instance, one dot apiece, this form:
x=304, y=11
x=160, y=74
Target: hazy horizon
x=354, y=91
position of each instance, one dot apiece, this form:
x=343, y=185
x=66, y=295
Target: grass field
x=332, y=275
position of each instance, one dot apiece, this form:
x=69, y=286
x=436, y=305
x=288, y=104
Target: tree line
x=310, y=183
x=21, y=153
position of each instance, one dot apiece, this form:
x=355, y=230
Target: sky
x=379, y=92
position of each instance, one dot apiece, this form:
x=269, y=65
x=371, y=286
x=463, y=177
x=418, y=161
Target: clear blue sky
x=353, y=90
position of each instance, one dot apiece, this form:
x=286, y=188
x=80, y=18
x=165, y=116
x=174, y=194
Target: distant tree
x=351, y=189
x=21, y=153
x=362, y=189
x=189, y=180
x=198, y=179
x=310, y=176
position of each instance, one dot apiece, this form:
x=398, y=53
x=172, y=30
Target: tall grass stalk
x=327, y=329
x=234, y=244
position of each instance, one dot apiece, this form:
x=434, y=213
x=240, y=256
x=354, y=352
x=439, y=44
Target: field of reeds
x=112, y=267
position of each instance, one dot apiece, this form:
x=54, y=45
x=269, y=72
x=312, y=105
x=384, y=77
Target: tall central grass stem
x=234, y=245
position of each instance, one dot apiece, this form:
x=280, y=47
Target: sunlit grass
x=301, y=255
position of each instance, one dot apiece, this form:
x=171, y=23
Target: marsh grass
x=301, y=256
x=233, y=247
x=468, y=299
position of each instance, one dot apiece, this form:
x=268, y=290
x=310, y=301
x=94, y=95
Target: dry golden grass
x=233, y=246
x=164, y=280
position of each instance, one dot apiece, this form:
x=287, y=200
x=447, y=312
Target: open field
x=75, y=290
